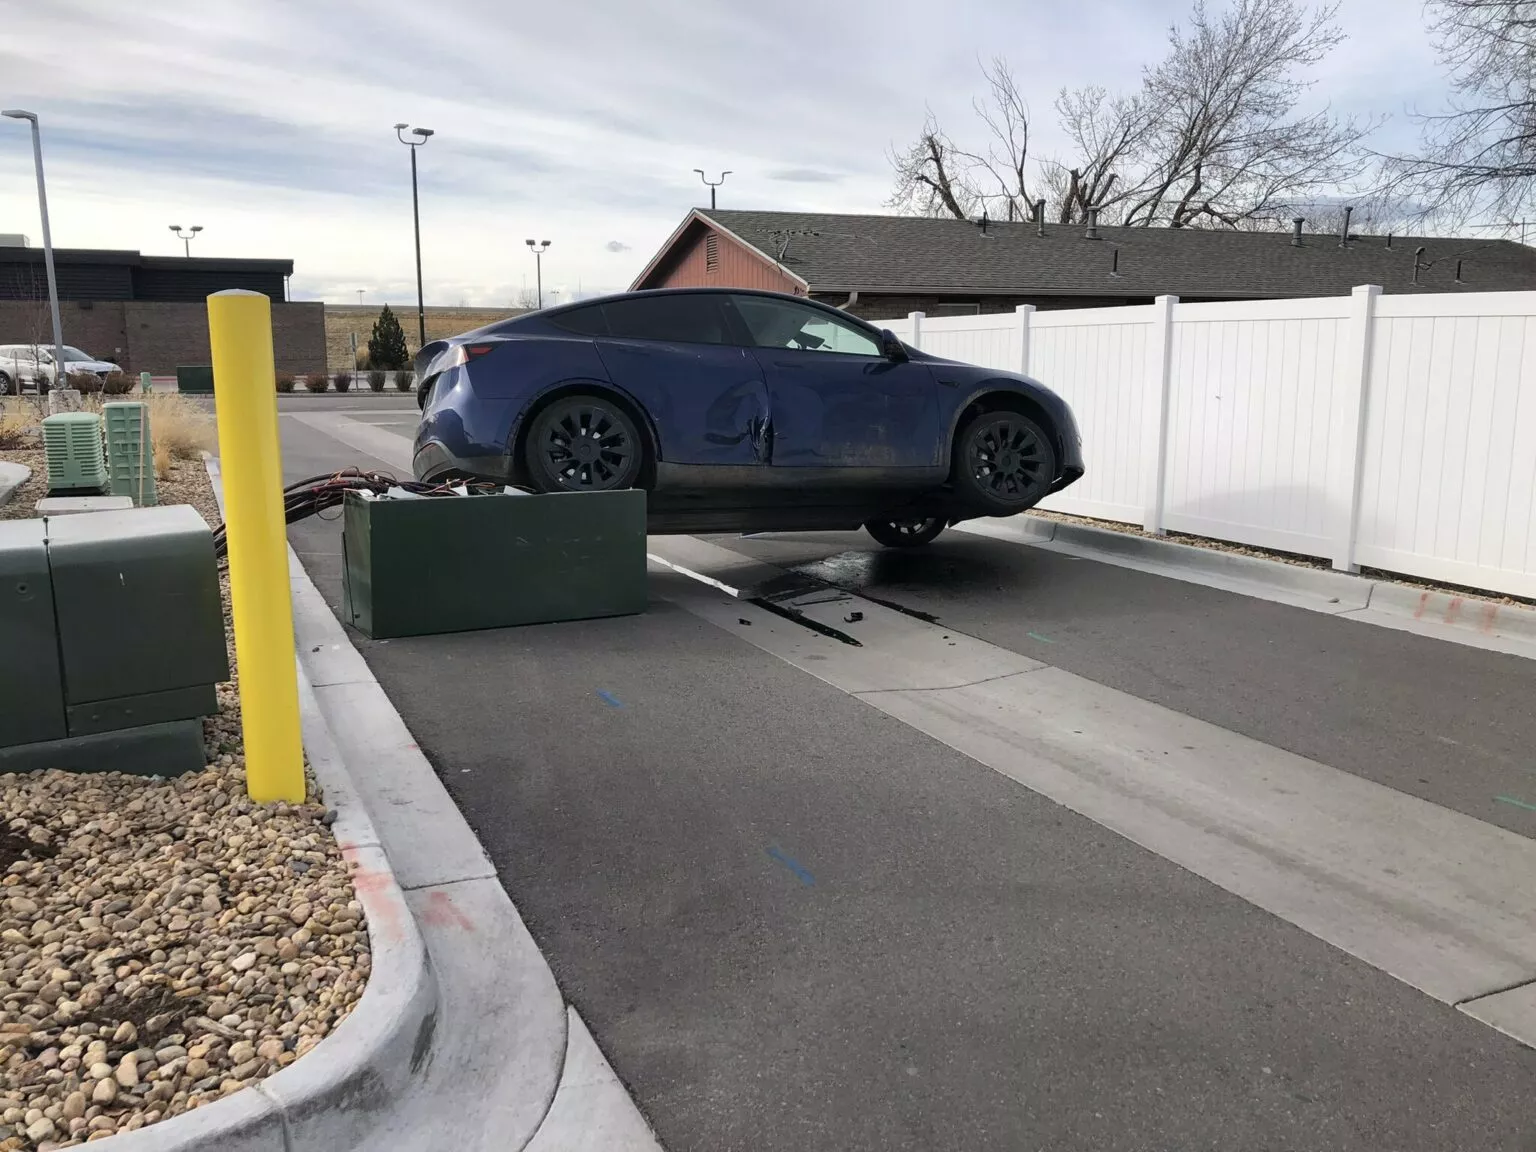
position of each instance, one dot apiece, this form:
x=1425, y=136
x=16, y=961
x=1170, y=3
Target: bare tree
x=1480, y=154
x=1212, y=138
x=527, y=298
x=936, y=177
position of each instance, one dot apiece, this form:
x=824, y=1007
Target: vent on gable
x=711, y=254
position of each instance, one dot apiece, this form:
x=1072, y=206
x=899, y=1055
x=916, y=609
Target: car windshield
x=76, y=354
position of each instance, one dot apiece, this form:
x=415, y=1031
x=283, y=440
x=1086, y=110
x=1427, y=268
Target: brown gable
x=700, y=254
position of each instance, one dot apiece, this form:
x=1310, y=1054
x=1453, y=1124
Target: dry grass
x=180, y=427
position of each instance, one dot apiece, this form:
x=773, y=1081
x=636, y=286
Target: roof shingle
x=836, y=253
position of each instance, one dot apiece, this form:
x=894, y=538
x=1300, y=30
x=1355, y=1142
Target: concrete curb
x=335, y=1096
x=1445, y=616
x=12, y=477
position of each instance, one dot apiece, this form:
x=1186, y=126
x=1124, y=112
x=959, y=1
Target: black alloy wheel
x=583, y=444
x=1006, y=463
x=906, y=533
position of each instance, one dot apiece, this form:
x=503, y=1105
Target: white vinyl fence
x=1396, y=432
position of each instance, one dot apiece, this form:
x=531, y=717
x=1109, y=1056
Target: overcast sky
x=579, y=122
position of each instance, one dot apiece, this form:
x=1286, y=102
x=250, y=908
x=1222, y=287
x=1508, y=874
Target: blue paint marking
x=1516, y=803
x=609, y=698
x=1042, y=639
x=800, y=873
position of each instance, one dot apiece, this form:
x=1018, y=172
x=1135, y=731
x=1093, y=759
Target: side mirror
x=891, y=346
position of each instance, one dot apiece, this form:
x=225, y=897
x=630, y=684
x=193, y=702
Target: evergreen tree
x=386, y=347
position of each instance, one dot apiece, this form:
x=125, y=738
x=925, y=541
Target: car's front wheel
x=5, y=385
x=1004, y=463
x=583, y=444
x=906, y=533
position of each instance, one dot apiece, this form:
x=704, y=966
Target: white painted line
x=392, y=449
x=1436, y=898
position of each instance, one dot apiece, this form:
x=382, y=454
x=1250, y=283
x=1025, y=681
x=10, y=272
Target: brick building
x=148, y=313
x=880, y=267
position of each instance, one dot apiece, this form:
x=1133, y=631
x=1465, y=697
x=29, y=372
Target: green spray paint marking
x=1042, y=639
x=1516, y=803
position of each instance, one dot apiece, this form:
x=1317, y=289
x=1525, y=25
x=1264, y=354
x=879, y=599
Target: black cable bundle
x=317, y=493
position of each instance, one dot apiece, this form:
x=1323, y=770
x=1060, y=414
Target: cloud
x=244, y=118
x=805, y=176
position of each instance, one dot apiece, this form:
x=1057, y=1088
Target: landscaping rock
x=150, y=956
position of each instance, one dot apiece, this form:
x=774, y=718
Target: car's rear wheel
x=906, y=533
x=583, y=444
x=5, y=385
x=1004, y=463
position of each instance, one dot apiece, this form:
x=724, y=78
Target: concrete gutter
x=1406, y=607
x=339, y=1096
x=12, y=477
x=461, y=1039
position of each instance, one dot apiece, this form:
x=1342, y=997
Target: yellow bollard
x=240, y=330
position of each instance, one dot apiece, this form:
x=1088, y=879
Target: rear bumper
x=433, y=461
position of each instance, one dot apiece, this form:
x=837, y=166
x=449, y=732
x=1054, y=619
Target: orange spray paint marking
x=1490, y=614
x=442, y=912
x=1454, y=610
x=1423, y=604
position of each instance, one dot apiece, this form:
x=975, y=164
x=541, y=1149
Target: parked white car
x=32, y=364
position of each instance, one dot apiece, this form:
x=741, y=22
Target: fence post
x=1344, y=485
x=1025, y=313
x=1160, y=360
x=917, y=329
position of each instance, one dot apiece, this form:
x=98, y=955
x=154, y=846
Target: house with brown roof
x=884, y=266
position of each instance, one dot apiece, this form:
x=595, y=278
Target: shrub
x=343, y=381
x=285, y=381
x=360, y=359
x=119, y=384
x=317, y=382
x=17, y=429
x=86, y=383
x=405, y=380
x=376, y=380
x=179, y=427
x=386, y=347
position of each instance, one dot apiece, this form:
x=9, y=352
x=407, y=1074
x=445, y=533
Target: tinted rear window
x=587, y=321
x=684, y=319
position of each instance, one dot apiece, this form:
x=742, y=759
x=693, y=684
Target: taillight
x=464, y=353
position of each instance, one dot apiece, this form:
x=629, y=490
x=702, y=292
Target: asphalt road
x=1442, y=721
x=794, y=922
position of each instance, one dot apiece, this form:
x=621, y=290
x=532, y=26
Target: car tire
x=5, y=385
x=1003, y=463
x=906, y=533
x=583, y=443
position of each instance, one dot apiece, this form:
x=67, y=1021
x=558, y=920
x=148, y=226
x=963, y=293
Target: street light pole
x=421, y=308
x=538, y=265
x=187, y=237
x=42, y=207
x=712, y=184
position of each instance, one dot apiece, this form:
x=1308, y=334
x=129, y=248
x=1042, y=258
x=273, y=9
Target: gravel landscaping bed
x=163, y=943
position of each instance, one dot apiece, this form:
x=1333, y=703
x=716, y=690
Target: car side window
x=785, y=324
x=683, y=318
x=585, y=321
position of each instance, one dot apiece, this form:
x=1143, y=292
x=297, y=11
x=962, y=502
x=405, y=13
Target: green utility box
x=194, y=378
x=130, y=453
x=73, y=450
x=113, y=625
x=31, y=685
x=455, y=563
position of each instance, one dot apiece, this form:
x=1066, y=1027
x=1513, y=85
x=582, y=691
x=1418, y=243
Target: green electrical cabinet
x=114, y=640
x=31, y=683
x=194, y=378
x=454, y=563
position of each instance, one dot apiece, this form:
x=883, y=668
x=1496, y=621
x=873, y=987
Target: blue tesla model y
x=740, y=411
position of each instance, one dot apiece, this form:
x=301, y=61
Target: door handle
x=949, y=383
